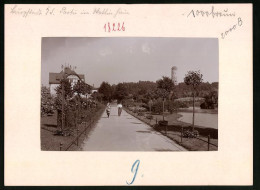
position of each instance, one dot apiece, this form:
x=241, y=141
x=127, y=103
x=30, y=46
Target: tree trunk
x=62, y=112
x=163, y=109
x=193, y=114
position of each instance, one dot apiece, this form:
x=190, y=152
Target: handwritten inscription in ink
x=231, y=29
x=134, y=170
x=114, y=27
x=66, y=11
x=211, y=13
x=214, y=13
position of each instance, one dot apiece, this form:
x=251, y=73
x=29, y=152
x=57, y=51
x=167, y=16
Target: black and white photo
x=129, y=94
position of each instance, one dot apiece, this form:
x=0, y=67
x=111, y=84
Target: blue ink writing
x=134, y=170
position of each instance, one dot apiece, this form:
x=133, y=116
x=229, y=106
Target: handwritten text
x=212, y=13
x=134, y=170
x=113, y=27
x=234, y=27
x=67, y=11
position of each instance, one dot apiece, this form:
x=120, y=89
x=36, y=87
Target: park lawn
x=198, y=110
x=171, y=118
x=51, y=142
x=191, y=144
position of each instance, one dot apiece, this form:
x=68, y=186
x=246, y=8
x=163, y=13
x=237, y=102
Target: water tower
x=173, y=74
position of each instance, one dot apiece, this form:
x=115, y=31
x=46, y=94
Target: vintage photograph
x=129, y=94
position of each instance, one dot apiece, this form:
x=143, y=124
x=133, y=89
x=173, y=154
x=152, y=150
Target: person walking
x=120, y=107
x=108, y=108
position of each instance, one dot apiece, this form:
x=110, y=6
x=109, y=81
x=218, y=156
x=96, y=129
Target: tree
x=47, y=102
x=211, y=101
x=97, y=96
x=164, y=88
x=166, y=84
x=194, y=79
x=120, y=91
x=107, y=91
x=64, y=92
x=67, y=89
x=81, y=88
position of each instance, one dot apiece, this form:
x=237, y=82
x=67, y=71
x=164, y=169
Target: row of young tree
x=143, y=91
x=74, y=102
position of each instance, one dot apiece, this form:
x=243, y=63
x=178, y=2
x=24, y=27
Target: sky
x=130, y=59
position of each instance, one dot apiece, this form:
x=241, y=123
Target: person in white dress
x=120, y=107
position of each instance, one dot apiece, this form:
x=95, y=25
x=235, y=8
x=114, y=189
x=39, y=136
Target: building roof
x=55, y=78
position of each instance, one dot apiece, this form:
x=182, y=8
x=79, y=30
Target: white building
x=55, y=78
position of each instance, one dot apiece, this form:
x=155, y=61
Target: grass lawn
x=174, y=132
x=193, y=144
x=171, y=118
x=49, y=141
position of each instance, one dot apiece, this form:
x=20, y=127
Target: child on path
x=108, y=109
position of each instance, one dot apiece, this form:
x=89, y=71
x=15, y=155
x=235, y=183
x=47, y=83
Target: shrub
x=157, y=107
x=207, y=105
x=190, y=134
x=143, y=105
x=149, y=117
x=140, y=113
x=169, y=105
x=47, y=102
x=141, y=109
x=163, y=122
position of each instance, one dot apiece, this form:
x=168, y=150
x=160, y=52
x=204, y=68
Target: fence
x=76, y=140
x=182, y=136
x=165, y=131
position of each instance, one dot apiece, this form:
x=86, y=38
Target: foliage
x=173, y=106
x=140, y=88
x=211, y=101
x=162, y=93
x=120, y=92
x=165, y=83
x=140, y=114
x=76, y=110
x=149, y=117
x=157, y=107
x=73, y=105
x=47, y=102
x=193, y=78
x=190, y=134
x=68, y=93
x=140, y=91
x=182, y=90
x=188, y=101
x=164, y=87
x=163, y=122
x=170, y=105
x=107, y=91
x=81, y=88
x=97, y=96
